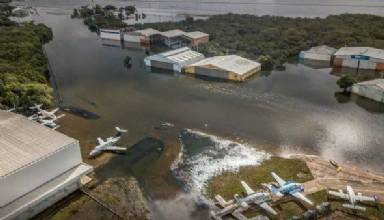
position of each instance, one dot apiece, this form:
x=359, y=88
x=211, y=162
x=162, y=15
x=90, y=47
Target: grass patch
x=228, y=183
x=72, y=208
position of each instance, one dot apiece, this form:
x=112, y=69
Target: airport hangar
x=38, y=166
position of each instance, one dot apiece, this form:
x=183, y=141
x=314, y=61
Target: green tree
x=346, y=82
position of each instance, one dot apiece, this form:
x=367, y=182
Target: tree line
x=271, y=40
x=23, y=65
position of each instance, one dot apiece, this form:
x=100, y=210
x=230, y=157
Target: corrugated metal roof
x=366, y=51
x=376, y=82
x=182, y=56
x=196, y=34
x=24, y=142
x=233, y=63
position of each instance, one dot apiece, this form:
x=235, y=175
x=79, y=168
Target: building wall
x=41, y=204
x=198, y=41
x=134, y=38
x=210, y=72
x=371, y=92
x=161, y=65
x=313, y=56
x=347, y=61
x=241, y=78
x=111, y=36
x=34, y=175
x=380, y=66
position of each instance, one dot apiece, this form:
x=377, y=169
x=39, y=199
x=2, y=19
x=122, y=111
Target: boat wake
x=204, y=156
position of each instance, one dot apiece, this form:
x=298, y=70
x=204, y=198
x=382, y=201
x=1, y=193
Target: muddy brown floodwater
x=298, y=110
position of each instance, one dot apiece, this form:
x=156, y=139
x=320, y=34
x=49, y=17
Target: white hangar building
x=38, y=166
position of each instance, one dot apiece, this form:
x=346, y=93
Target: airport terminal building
x=38, y=166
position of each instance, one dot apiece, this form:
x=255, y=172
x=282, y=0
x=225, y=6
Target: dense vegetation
x=271, y=40
x=23, y=65
x=105, y=17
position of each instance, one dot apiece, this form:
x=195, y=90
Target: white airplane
x=43, y=113
x=240, y=205
x=108, y=144
x=287, y=188
x=50, y=122
x=352, y=197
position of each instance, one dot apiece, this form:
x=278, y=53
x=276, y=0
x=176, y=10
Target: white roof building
x=360, y=57
x=366, y=51
x=172, y=33
x=195, y=34
x=373, y=89
x=232, y=67
x=32, y=156
x=320, y=53
x=174, y=59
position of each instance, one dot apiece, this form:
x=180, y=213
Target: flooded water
x=298, y=110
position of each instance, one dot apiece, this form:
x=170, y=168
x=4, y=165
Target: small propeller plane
x=242, y=204
x=108, y=144
x=352, y=197
x=287, y=188
x=50, y=123
x=44, y=114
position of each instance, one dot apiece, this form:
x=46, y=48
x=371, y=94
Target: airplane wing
x=302, y=197
x=339, y=194
x=278, y=179
x=54, y=111
x=364, y=198
x=268, y=208
x=114, y=148
x=247, y=189
x=100, y=141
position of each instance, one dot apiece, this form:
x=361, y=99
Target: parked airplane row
x=261, y=198
x=283, y=188
x=44, y=117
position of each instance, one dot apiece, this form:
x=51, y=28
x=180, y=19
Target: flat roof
x=24, y=142
x=366, y=51
x=196, y=34
x=233, y=63
x=376, y=82
x=172, y=33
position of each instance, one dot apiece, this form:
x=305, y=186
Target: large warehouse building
x=231, y=67
x=173, y=60
x=359, y=57
x=110, y=34
x=38, y=166
x=320, y=53
x=373, y=89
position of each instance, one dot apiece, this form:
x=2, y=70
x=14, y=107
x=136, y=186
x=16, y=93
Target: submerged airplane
x=287, y=188
x=41, y=113
x=108, y=144
x=242, y=204
x=352, y=197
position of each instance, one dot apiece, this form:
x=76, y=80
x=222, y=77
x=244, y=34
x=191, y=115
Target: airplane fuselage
x=290, y=188
x=257, y=198
x=351, y=195
x=99, y=148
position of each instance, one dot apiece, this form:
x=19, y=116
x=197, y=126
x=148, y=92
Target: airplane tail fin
x=356, y=207
x=119, y=131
